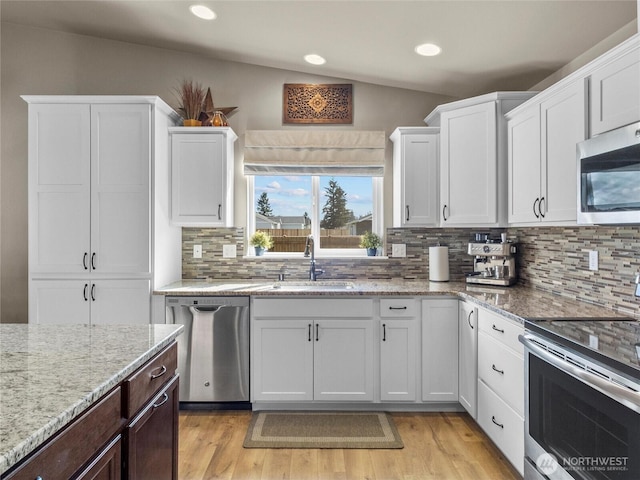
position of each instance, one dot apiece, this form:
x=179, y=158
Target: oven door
x=579, y=424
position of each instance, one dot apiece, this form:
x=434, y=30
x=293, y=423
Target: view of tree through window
x=284, y=208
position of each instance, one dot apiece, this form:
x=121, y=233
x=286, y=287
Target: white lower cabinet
x=312, y=349
x=501, y=384
x=502, y=424
x=100, y=301
x=440, y=350
x=468, y=357
x=399, y=337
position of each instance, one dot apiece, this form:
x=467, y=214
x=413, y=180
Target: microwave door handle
x=618, y=393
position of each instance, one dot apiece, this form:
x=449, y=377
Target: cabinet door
x=282, y=360
x=120, y=301
x=343, y=360
x=107, y=465
x=440, y=350
x=563, y=124
x=198, y=179
x=524, y=166
x=420, y=180
x=152, y=438
x=59, y=301
x=468, y=357
x=468, y=187
x=59, y=188
x=615, y=93
x=398, y=357
x=120, y=188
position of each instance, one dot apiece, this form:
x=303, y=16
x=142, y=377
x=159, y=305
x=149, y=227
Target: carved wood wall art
x=317, y=103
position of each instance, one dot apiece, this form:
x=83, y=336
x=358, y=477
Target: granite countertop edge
x=10, y=458
x=516, y=302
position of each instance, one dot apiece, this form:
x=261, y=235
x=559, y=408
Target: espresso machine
x=494, y=262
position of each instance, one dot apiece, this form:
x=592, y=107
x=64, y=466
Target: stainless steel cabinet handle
x=444, y=217
x=384, y=332
x=407, y=219
x=163, y=370
x=84, y=260
x=497, y=329
x=493, y=367
x=93, y=261
x=93, y=292
x=469, y=319
x=493, y=419
x=535, y=204
x=317, y=329
x=309, y=337
x=165, y=398
x=84, y=293
x=540, y=207
x=219, y=211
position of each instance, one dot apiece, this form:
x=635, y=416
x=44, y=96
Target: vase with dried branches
x=191, y=95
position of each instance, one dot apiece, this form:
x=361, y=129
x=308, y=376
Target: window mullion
x=315, y=209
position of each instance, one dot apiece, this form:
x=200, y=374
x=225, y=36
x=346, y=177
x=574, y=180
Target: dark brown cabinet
x=152, y=438
x=130, y=433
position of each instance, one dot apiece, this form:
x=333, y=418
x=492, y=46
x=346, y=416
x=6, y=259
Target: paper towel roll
x=439, y=264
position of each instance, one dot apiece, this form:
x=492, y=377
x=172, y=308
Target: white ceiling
x=487, y=45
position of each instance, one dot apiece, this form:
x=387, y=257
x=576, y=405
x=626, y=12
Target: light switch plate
x=229, y=251
x=197, y=251
x=398, y=250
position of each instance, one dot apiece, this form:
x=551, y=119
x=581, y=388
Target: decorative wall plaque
x=317, y=103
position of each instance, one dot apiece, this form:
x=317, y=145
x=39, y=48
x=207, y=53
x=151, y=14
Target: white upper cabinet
x=89, y=188
x=542, y=155
x=615, y=88
x=202, y=176
x=415, y=176
x=473, y=159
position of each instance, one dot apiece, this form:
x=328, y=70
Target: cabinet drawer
x=398, y=307
x=312, y=307
x=503, y=425
x=502, y=370
x=502, y=329
x=66, y=453
x=146, y=381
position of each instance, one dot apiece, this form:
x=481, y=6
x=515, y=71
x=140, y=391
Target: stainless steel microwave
x=609, y=177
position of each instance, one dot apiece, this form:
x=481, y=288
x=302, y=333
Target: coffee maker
x=494, y=261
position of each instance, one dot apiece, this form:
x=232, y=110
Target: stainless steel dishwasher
x=213, y=350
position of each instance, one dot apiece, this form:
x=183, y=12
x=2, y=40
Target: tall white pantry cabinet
x=100, y=237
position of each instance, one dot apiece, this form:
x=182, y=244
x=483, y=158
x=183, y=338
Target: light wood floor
x=438, y=446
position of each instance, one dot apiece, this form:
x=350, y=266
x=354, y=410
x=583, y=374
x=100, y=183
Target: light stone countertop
x=515, y=302
x=50, y=374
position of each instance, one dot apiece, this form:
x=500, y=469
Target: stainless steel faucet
x=309, y=249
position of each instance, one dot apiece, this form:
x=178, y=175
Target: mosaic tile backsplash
x=553, y=259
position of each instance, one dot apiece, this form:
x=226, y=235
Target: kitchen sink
x=319, y=285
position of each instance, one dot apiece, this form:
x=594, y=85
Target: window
x=336, y=210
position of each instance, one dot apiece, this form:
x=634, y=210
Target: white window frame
x=377, y=221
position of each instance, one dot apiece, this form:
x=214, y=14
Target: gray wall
x=44, y=62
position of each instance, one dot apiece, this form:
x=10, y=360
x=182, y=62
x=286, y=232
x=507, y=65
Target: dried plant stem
x=192, y=96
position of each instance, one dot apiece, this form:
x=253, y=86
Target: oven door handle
x=620, y=394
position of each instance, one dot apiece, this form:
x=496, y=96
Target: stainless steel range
x=494, y=263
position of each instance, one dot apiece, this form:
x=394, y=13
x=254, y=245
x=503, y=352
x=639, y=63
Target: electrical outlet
x=197, y=251
x=398, y=250
x=229, y=251
x=593, y=260
x=593, y=341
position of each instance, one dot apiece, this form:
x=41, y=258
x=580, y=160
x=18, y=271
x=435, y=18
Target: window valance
x=312, y=152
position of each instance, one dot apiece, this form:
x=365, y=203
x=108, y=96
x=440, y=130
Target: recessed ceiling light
x=428, y=49
x=203, y=12
x=314, y=59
